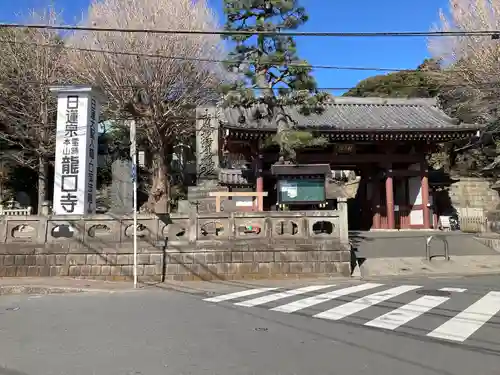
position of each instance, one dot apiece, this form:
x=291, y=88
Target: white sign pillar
x=75, y=180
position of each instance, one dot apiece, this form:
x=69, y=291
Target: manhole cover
x=260, y=329
x=434, y=292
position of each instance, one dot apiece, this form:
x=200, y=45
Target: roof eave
x=459, y=128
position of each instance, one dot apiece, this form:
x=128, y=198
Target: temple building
x=379, y=143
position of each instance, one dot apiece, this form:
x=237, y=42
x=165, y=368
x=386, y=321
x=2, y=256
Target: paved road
x=430, y=326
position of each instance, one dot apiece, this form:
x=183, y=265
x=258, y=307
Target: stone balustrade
x=182, y=247
x=15, y=211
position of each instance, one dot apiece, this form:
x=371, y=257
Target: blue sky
x=325, y=15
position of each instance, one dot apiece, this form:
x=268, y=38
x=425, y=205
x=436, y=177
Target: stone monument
x=122, y=189
x=207, y=160
x=75, y=180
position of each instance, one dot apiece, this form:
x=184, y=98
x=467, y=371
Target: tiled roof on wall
x=352, y=114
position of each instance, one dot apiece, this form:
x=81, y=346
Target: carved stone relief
x=323, y=227
x=142, y=230
x=63, y=231
x=249, y=230
x=286, y=228
x=174, y=232
x=99, y=230
x=23, y=231
x=206, y=166
x=212, y=228
x=207, y=143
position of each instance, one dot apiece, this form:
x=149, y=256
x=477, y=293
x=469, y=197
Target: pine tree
x=269, y=69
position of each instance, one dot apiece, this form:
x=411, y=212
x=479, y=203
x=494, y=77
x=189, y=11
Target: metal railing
x=446, y=246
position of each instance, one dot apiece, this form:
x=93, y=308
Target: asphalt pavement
x=381, y=326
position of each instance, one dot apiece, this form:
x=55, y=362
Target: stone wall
x=179, y=247
x=474, y=192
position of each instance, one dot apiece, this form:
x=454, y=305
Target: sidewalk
x=462, y=265
x=54, y=285
x=50, y=285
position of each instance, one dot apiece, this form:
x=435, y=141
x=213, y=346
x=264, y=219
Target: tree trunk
x=43, y=182
x=278, y=116
x=159, y=200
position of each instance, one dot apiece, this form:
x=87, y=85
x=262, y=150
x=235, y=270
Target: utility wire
x=185, y=58
x=481, y=85
x=491, y=33
x=198, y=59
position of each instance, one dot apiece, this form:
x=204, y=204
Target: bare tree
x=27, y=108
x=471, y=62
x=161, y=93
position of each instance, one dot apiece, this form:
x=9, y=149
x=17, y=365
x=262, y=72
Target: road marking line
x=244, y=293
x=456, y=290
x=410, y=311
x=468, y=321
x=274, y=297
x=325, y=297
x=406, y=313
x=355, y=306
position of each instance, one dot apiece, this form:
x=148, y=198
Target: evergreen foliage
x=263, y=70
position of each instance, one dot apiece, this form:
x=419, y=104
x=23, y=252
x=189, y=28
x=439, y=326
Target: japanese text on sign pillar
x=92, y=156
x=70, y=164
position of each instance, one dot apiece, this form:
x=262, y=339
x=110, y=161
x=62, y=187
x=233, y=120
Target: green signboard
x=301, y=191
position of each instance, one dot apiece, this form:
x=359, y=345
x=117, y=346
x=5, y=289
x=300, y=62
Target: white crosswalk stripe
x=244, y=293
x=475, y=314
x=470, y=320
x=277, y=296
x=353, y=307
x=325, y=297
x=408, y=312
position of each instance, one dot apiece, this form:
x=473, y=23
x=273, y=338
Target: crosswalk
x=457, y=324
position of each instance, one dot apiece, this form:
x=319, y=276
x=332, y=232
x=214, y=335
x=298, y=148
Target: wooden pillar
x=389, y=198
x=425, y=195
x=260, y=189
x=260, y=180
x=376, y=203
x=361, y=197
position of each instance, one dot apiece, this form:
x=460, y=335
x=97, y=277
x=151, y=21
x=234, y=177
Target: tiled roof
x=349, y=113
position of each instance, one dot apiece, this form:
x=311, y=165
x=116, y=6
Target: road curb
x=38, y=289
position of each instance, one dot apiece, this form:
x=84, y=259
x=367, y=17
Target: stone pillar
x=45, y=208
x=207, y=159
x=78, y=109
x=344, y=222
x=389, y=198
x=425, y=195
x=207, y=143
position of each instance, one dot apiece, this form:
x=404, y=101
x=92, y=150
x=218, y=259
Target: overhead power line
x=490, y=33
x=198, y=59
x=482, y=85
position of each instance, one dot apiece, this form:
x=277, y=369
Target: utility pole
x=133, y=156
